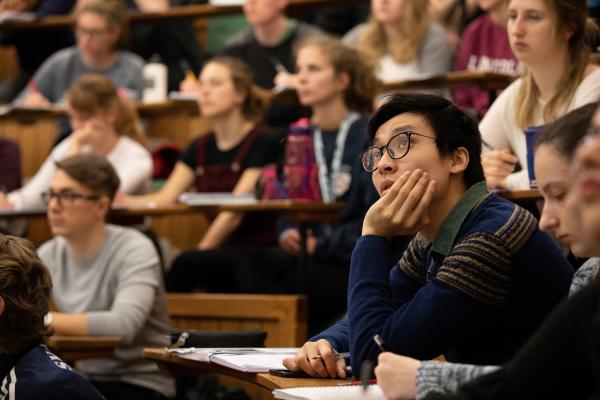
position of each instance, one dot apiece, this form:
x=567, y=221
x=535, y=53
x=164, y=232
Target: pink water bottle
x=300, y=168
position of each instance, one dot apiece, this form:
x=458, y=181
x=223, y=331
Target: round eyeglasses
x=397, y=147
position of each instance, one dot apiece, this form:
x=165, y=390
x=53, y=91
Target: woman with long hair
x=228, y=159
x=402, y=38
x=102, y=124
x=338, y=86
x=550, y=39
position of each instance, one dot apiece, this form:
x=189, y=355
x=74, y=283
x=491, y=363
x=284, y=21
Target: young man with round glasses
x=107, y=280
x=477, y=278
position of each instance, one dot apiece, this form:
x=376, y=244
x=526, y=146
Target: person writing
x=467, y=286
x=406, y=378
x=550, y=39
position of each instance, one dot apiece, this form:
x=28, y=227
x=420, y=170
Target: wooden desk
x=179, y=12
x=484, y=80
x=174, y=365
x=74, y=348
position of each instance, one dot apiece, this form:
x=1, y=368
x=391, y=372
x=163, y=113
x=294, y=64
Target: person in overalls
x=229, y=159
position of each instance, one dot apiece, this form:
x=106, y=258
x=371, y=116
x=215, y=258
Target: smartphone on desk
x=286, y=373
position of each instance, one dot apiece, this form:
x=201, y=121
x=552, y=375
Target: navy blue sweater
x=475, y=294
x=39, y=374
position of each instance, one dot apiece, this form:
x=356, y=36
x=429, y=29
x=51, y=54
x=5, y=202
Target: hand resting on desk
x=307, y=359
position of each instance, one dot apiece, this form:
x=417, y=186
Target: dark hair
x=453, y=127
x=25, y=286
x=92, y=171
x=565, y=133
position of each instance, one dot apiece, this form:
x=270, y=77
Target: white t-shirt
x=499, y=128
x=130, y=159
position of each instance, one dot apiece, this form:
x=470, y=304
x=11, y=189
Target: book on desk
x=217, y=198
x=250, y=360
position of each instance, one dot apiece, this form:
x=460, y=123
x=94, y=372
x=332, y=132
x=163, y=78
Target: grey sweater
x=444, y=377
x=120, y=289
x=60, y=70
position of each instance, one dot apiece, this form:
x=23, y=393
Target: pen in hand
x=337, y=356
x=379, y=342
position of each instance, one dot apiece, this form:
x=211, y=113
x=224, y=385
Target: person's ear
x=103, y=208
x=2, y=305
x=459, y=160
x=343, y=80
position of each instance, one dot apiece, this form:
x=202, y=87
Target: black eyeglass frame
x=386, y=146
x=68, y=197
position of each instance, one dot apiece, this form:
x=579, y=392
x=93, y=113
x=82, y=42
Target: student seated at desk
x=103, y=125
x=550, y=39
x=107, y=280
x=28, y=370
x=403, y=40
x=338, y=85
x=561, y=360
x=404, y=377
x=230, y=158
x=100, y=32
x=484, y=46
x=476, y=280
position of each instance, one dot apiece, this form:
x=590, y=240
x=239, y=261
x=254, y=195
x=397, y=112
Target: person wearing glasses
x=100, y=33
x=107, y=280
x=104, y=125
x=478, y=277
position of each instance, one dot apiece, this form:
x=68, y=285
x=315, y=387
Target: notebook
x=217, y=198
x=330, y=393
x=251, y=360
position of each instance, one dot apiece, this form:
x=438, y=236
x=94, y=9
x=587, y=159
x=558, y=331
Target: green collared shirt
x=445, y=238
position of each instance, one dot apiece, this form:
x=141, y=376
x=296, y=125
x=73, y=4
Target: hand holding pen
x=396, y=375
x=318, y=359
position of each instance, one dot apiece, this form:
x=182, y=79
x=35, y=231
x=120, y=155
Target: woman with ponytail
x=229, y=159
x=550, y=38
x=102, y=124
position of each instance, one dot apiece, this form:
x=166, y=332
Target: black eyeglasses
x=397, y=147
x=67, y=199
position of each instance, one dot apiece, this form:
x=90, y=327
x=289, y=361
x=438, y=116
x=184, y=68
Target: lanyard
x=326, y=180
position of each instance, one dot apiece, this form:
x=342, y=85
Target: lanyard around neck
x=326, y=180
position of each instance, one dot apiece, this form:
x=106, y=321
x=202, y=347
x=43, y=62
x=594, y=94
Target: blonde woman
x=549, y=38
x=102, y=124
x=404, y=40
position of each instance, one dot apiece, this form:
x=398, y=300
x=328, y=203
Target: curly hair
x=344, y=59
x=25, y=286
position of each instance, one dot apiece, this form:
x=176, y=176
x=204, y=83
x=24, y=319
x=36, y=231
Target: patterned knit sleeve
x=445, y=377
x=479, y=265
x=411, y=262
x=584, y=275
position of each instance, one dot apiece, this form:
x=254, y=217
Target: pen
x=279, y=67
x=189, y=74
x=356, y=383
x=337, y=355
x=366, y=370
x=379, y=342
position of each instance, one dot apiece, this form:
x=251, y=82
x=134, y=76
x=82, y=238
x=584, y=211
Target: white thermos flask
x=155, y=81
